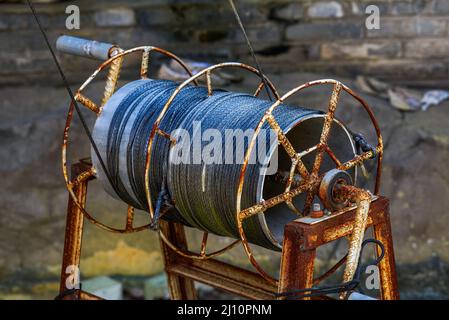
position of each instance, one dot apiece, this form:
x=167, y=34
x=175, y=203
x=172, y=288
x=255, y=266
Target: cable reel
x=305, y=176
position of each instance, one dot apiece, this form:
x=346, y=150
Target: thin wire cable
x=250, y=47
x=72, y=97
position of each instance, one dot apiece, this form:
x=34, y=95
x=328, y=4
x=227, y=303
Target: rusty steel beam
x=318, y=232
x=74, y=226
x=226, y=277
x=362, y=199
x=303, y=236
x=387, y=266
x=297, y=263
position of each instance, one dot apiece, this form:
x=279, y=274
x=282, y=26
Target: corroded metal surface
x=387, y=266
x=311, y=181
x=78, y=295
x=362, y=198
x=74, y=228
x=85, y=101
x=288, y=147
x=82, y=177
x=145, y=63
x=129, y=218
x=323, y=142
x=305, y=235
x=112, y=78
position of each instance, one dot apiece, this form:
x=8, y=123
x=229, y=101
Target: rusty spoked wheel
x=156, y=130
x=310, y=180
x=115, y=64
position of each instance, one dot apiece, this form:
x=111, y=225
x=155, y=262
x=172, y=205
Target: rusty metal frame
x=184, y=266
x=311, y=180
x=207, y=73
x=302, y=237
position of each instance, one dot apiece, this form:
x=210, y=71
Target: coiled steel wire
x=204, y=194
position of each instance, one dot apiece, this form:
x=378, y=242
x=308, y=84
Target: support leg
x=387, y=267
x=180, y=287
x=73, y=234
x=296, y=263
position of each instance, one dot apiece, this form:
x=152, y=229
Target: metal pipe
x=85, y=48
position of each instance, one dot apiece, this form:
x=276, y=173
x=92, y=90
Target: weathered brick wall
x=303, y=35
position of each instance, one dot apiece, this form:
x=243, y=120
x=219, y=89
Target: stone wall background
x=296, y=41
x=302, y=35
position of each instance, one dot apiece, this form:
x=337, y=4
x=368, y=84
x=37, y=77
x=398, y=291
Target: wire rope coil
x=268, y=217
x=204, y=194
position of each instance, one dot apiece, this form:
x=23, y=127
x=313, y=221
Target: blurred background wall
x=295, y=41
x=302, y=35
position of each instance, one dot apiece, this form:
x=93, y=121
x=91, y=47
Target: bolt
x=316, y=211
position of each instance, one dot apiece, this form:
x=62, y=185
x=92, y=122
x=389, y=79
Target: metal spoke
x=145, y=63
x=204, y=244
x=308, y=150
x=357, y=160
x=259, y=89
x=289, y=185
x=326, y=127
x=333, y=101
x=129, y=218
x=112, y=78
x=166, y=135
x=85, y=101
x=332, y=155
x=288, y=147
x=209, y=83
x=264, y=205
